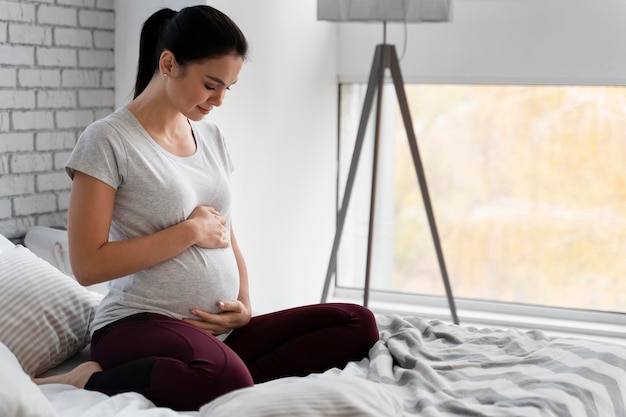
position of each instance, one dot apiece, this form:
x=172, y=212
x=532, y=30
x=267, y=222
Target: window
x=528, y=185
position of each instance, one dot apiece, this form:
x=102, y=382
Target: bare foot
x=77, y=377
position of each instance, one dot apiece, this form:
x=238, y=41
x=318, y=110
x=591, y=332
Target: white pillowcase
x=326, y=396
x=45, y=313
x=5, y=244
x=19, y=396
x=51, y=245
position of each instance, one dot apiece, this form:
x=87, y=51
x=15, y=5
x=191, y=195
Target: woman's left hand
x=234, y=315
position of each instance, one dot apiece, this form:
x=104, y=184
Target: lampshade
x=384, y=10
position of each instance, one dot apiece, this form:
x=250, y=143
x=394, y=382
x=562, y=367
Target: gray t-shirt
x=154, y=190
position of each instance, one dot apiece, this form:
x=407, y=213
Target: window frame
x=610, y=326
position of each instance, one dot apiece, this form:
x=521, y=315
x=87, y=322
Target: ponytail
x=192, y=35
x=148, y=46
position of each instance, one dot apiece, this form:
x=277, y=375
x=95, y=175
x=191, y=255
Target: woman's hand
x=233, y=316
x=210, y=226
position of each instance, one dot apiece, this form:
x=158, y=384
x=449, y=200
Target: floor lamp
x=385, y=58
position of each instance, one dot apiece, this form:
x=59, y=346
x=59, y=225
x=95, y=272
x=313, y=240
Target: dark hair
x=193, y=34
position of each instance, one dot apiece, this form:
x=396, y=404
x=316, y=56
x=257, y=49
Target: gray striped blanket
x=446, y=370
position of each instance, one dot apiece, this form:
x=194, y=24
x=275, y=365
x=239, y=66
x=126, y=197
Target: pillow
x=5, y=244
x=45, y=313
x=51, y=245
x=19, y=396
x=327, y=396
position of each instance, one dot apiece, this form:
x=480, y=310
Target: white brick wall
x=56, y=77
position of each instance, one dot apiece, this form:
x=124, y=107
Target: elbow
x=85, y=275
x=84, y=279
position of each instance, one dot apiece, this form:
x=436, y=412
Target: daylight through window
x=528, y=185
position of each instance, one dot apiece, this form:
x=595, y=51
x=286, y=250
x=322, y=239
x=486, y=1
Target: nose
x=217, y=97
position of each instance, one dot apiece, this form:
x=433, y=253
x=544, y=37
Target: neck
x=168, y=127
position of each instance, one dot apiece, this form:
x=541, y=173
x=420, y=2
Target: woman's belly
x=196, y=279
x=199, y=279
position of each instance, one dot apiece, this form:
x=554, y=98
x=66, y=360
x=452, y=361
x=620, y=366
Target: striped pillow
x=44, y=314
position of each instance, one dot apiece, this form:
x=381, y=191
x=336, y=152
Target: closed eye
x=218, y=81
x=212, y=88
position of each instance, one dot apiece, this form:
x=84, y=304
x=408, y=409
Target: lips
x=205, y=111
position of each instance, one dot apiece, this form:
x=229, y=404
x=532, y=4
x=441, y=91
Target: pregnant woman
x=150, y=212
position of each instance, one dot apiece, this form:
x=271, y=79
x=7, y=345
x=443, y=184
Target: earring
x=164, y=75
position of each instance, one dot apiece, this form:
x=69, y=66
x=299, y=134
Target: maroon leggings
x=178, y=365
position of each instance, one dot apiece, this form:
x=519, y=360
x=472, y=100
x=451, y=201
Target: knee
x=363, y=322
x=188, y=387
x=235, y=375
x=232, y=374
x=368, y=325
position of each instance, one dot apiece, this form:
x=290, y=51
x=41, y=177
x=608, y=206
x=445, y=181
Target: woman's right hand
x=211, y=227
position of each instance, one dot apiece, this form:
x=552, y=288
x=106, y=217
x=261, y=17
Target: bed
x=419, y=367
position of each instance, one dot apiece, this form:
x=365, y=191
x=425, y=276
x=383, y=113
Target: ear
x=167, y=63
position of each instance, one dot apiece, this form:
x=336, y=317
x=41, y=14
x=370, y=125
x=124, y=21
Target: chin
x=195, y=116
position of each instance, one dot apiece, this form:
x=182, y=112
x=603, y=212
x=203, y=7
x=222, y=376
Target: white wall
x=280, y=118
x=280, y=123
x=515, y=41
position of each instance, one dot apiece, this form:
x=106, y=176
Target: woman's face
x=202, y=86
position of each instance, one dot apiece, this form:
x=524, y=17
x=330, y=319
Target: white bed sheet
x=73, y=402
x=324, y=395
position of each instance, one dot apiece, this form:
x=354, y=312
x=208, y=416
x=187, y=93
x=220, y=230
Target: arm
x=94, y=259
